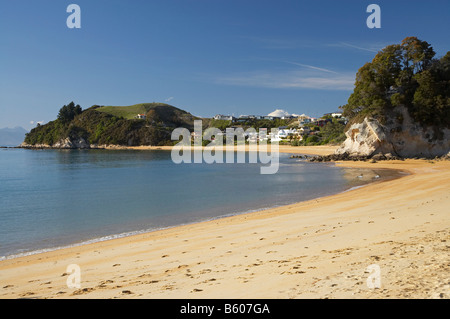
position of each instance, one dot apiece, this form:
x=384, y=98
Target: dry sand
x=315, y=249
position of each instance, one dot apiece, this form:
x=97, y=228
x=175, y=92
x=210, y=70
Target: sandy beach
x=315, y=249
x=308, y=150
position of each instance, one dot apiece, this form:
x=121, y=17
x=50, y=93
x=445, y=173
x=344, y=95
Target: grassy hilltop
x=113, y=125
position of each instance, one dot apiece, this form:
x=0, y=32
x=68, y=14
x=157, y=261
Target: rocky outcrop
x=400, y=136
x=78, y=143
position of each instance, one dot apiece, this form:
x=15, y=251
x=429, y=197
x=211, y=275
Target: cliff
x=399, y=136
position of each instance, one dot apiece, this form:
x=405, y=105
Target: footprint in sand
x=196, y=290
x=82, y=291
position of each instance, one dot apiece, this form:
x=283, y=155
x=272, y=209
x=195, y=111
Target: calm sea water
x=56, y=198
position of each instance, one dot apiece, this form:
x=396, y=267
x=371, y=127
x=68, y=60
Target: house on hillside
x=322, y=123
x=271, y=118
x=224, y=117
x=303, y=119
x=243, y=118
x=304, y=130
x=263, y=135
x=283, y=133
x=141, y=116
x=334, y=114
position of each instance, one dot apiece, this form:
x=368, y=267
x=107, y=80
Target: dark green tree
x=431, y=102
x=333, y=131
x=68, y=112
x=403, y=74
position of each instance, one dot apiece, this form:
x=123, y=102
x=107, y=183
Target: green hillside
x=129, y=112
x=156, y=113
x=113, y=125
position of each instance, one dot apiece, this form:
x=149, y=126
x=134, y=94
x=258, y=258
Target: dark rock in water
x=346, y=157
x=372, y=158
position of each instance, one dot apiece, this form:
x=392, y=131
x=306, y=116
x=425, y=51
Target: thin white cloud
x=311, y=67
x=281, y=43
x=291, y=80
x=373, y=48
x=169, y=99
x=299, y=64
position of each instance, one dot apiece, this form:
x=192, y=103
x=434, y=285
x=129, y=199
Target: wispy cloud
x=311, y=67
x=169, y=99
x=305, y=76
x=291, y=80
x=302, y=65
x=371, y=48
x=283, y=43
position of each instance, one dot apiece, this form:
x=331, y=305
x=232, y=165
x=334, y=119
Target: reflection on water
x=102, y=158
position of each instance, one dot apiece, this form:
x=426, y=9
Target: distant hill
x=12, y=136
x=113, y=125
x=155, y=112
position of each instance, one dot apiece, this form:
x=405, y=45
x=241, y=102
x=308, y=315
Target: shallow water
x=56, y=198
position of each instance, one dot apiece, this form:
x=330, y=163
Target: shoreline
x=167, y=239
x=308, y=150
x=322, y=150
x=210, y=219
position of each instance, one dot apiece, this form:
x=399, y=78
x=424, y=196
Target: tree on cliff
x=431, y=102
x=68, y=112
x=403, y=74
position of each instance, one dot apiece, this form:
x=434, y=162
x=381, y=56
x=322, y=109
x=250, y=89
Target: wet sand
x=308, y=150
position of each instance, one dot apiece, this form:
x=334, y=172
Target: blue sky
x=204, y=56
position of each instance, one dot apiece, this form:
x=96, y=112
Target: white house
x=303, y=119
x=283, y=133
x=141, y=116
x=275, y=138
x=336, y=114
x=223, y=117
x=304, y=130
